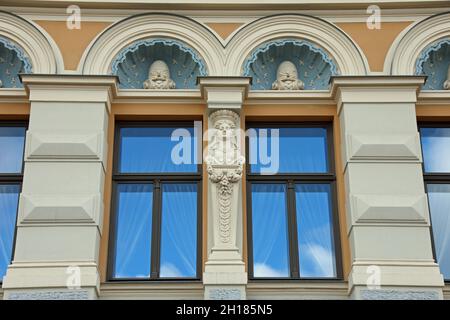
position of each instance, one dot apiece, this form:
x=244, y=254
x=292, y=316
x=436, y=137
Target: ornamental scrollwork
x=224, y=165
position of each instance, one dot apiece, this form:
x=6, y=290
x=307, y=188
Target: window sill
x=447, y=291
x=171, y=290
x=297, y=289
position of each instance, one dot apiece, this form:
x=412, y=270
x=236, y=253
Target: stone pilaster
x=225, y=276
x=388, y=221
x=60, y=215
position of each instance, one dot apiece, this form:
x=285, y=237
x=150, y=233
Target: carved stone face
x=225, y=128
x=159, y=76
x=287, y=77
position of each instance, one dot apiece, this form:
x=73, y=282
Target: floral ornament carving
x=447, y=82
x=224, y=165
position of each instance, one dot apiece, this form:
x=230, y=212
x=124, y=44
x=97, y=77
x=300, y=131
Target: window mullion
x=156, y=230
x=292, y=230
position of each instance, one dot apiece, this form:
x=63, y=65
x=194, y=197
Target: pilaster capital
x=224, y=92
x=70, y=88
x=375, y=89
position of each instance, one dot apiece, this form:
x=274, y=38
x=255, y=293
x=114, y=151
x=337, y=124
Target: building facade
x=225, y=150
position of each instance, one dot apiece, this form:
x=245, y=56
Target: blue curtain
x=149, y=150
x=12, y=140
x=439, y=199
x=179, y=230
x=9, y=198
x=134, y=230
x=299, y=150
x=315, y=230
x=269, y=229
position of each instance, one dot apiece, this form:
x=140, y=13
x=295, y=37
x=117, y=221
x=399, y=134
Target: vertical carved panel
x=224, y=164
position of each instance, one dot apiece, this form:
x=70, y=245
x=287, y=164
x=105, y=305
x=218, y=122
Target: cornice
x=355, y=84
x=434, y=97
x=16, y=95
x=211, y=4
x=227, y=16
x=70, y=88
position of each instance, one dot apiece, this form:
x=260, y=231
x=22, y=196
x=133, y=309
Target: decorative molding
x=99, y=57
x=51, y=209
x=42, y=56
x=347, y=56
x=403, y=56
x=64, y=146
x=377, y=294
x=312, y=78
x=225, y=16
x=391, y=147
x=224, y=165
x=49, y=295
x=154, y=290
x=389, y=209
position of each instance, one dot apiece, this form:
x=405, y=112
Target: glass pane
x=179, y=231
x=270, y=233
x=157, y=149
x=12, y=140
x=315, y=230
x=9, y=199
x=439, y=199
x=289, y=150
x=134, y=229
x=436, y=149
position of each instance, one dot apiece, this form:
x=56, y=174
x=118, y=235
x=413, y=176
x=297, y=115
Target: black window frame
x=290, y=180
x=432, y=178
x=14, y=178
x=156, y=179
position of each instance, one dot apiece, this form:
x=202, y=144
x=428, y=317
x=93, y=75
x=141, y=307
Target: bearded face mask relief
x=287, y=77
x=159, y=77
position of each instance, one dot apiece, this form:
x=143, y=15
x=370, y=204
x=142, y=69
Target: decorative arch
x=30, y=44
x=313, y=64
x=132, y=63
x=140, y=29
x=411, y=49
x=319, y=34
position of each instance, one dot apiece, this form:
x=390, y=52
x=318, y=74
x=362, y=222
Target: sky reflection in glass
x=9, y=197
x=301, y=150
x=439, y=201
x=179, y=231
x=134, y=230
x=269, y=228
x=12, y=140
x=149, y=150
x=315, y=231
x=436, y=149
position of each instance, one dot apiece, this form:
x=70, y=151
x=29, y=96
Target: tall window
x=155, y=227
x=12, y=143
x=292, y=217
x=435, y=141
